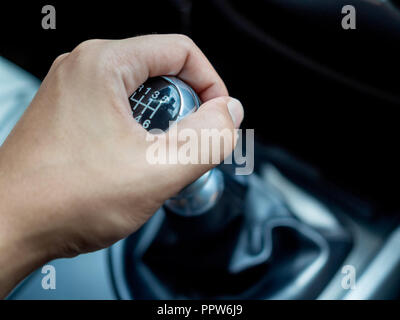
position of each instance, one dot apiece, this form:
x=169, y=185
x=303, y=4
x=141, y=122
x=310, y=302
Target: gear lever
x=156, y=104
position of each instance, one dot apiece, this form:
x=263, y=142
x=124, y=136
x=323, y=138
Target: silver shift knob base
x=200, y=196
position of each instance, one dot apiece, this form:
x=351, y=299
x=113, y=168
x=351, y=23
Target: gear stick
x=156, y=104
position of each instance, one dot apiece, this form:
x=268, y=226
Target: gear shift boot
x=249, y=246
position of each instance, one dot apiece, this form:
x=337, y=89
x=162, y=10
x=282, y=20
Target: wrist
x=20, y=249
x=17, y=260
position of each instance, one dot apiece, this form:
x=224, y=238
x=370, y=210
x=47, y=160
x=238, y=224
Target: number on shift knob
x=160, y=100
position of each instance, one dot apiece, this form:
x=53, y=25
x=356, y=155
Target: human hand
x=73, y=173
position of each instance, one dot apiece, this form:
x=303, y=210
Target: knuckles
x=99, y=57
x=184, y=41
x=94, y=56
x=89, y=60
x=87, y=46
x=58, y=60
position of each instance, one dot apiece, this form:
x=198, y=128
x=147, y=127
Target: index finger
x=156, y=55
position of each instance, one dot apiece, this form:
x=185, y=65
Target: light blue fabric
x=17, y=88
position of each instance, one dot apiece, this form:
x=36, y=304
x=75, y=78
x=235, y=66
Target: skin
x=73, y=173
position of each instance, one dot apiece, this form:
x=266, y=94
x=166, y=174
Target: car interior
x=323, y=200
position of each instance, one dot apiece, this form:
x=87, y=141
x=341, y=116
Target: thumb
x=205, y=138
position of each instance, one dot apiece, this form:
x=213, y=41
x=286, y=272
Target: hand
x=73, y=172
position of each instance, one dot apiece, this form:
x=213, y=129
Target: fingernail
x=235, y=109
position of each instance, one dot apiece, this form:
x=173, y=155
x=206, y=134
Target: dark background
x=327, y=95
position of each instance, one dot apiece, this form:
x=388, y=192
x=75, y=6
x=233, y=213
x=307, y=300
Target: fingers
x=155, y=55
x=128, y=63
x=205, y=138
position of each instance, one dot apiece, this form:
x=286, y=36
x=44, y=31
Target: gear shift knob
x=155, y=104
x=162, y=99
